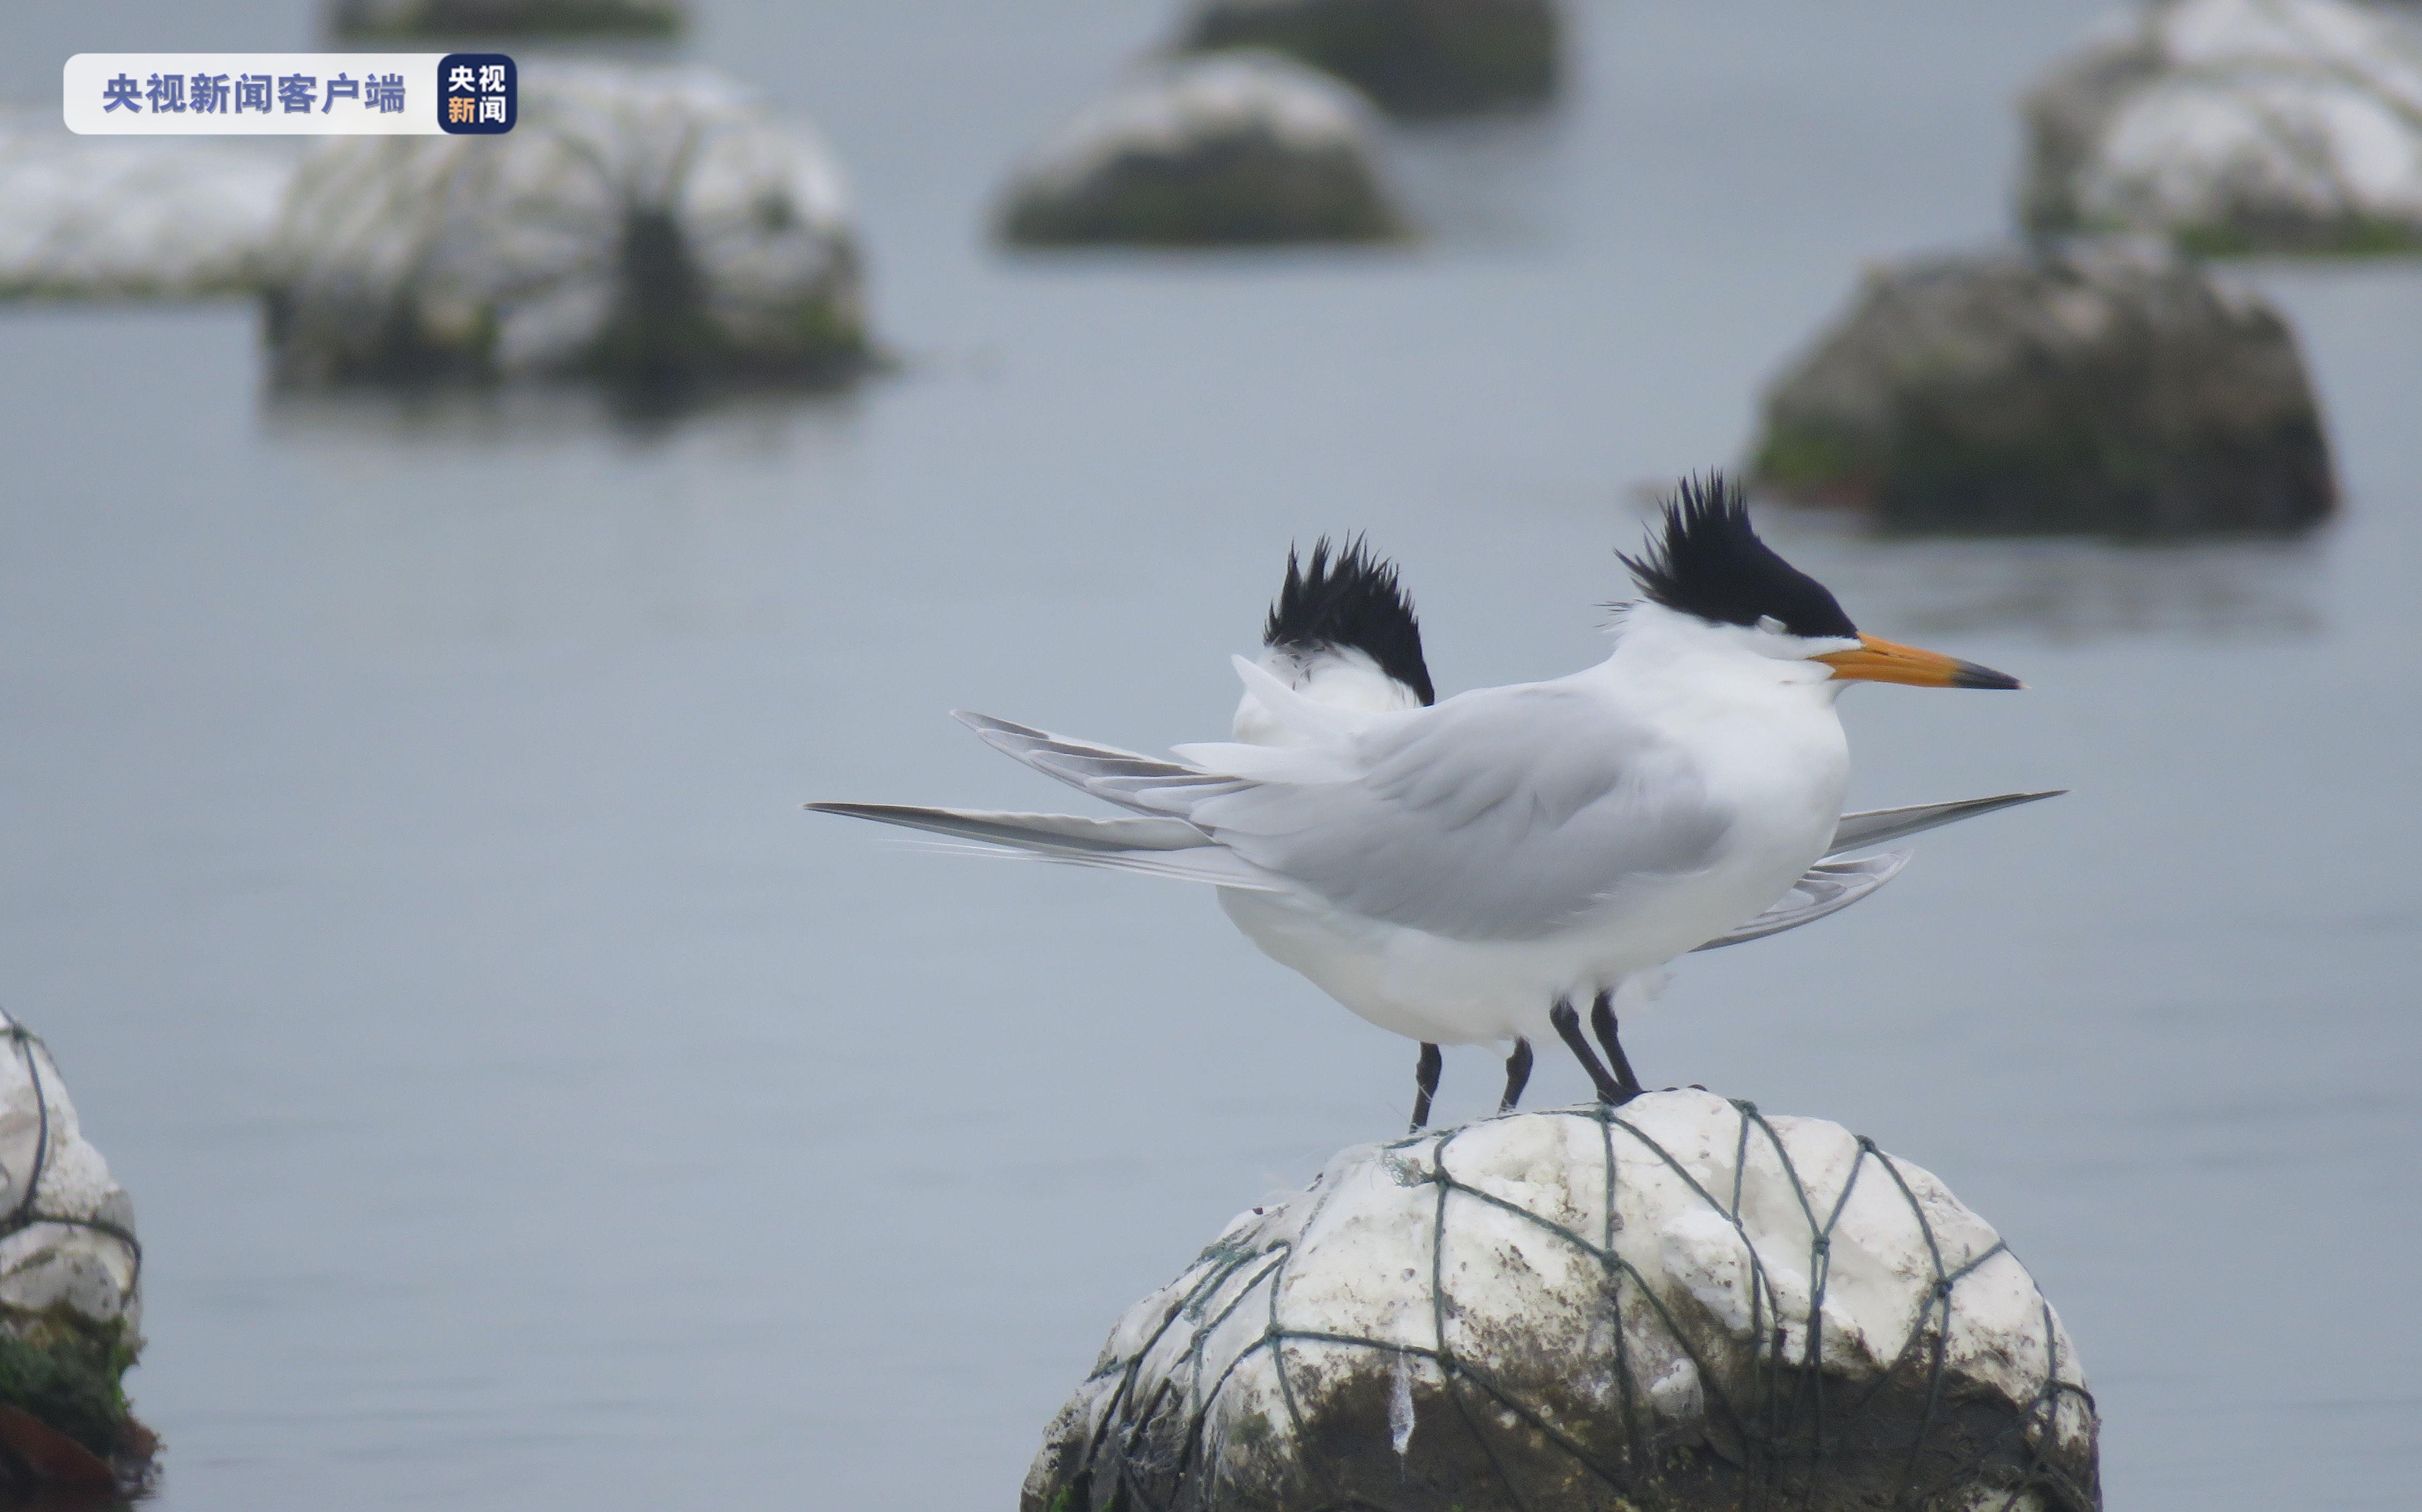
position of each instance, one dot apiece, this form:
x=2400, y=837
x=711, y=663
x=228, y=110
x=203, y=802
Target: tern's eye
x=1769, y=623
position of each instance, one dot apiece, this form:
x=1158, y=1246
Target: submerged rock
x=85, y=217
x=1236, y=148
x=71, y=1282
x=507, y=18
x=2236, y=126
x=636, y=224
x=1681, y=1304
x=1415, y=57
x=2112, y=388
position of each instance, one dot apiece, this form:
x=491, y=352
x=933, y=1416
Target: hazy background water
x=528, y=1105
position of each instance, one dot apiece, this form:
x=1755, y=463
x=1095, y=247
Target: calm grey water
x=528, y=1105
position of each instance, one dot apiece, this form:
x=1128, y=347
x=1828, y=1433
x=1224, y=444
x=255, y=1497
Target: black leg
x=1425, y=1081
x=1517, y=1076
x=1602, y=1021
x=1569, y=1029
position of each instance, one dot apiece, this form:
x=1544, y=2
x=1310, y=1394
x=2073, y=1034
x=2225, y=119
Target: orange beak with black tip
x=1883, y=661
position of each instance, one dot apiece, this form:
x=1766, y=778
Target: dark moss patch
x=533, y=18
x=1415, y=57
x=1243, y=189
x=2349, y=237
x=69, y=1372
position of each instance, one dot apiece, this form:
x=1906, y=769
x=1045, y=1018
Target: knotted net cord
x=1779, y=1421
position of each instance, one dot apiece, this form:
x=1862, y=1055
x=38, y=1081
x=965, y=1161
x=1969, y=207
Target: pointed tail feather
x=1153, y=847
x=1874, y=826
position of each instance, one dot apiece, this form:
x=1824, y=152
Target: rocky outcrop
x=636, y=225
x=2236, y=126
x=1675, y=1305
x=2110, y=388
x=1236, y=148
x=507, y=18
x=1415, y=57
x=86, y=217
x=71, y=1290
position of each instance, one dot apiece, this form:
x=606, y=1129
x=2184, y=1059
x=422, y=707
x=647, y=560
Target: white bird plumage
x=1465, y=872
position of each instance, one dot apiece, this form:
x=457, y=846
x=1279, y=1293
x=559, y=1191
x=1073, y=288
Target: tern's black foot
x=1517, y=1076
x=1602, y=1022
x=1569, y=1029
x=1425, y=1081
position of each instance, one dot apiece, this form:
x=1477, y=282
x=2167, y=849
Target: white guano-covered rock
x=1242, y=147
x=636, y=224
x=2236, y=126
x=1680, y=1304
x=67, y=1240
x=131, y=218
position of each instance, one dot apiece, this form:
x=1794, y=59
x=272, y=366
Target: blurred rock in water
x=71, y=1285
x=86, y=217
x=1415, y=57
x=636, y=225
x=1243, y=147
x=2112, y=388
x=2236, y=126
x=507, y=18
x=1678, y=1304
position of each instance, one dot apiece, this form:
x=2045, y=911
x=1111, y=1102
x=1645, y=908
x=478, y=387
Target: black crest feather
x=1707, y=560
x=1344, y=596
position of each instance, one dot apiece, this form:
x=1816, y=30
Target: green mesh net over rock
x=1681, y=1303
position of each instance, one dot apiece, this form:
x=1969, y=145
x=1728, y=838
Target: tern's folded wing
x=1501, y=814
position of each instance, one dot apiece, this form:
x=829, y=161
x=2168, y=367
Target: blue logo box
x=478, y=94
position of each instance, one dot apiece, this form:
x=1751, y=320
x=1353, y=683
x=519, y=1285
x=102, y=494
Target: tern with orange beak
x=1485, y=868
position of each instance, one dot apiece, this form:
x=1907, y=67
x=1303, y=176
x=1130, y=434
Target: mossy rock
x=639, y=225
x=1234, y=150
x=66, y=1373
x=2086, y=389
x=1414, y=58
x=509, y=18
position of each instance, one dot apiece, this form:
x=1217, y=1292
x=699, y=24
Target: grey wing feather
x=1874, y=826
x=1153, y=847
x=1829, y=887
x=1106, y=772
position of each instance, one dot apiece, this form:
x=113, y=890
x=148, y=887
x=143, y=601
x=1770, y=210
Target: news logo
x=291, y=94
x=477, y=94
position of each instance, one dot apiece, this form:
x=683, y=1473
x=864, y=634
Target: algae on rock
x=2109, y=388
x=1414, y=58
x=507, y=18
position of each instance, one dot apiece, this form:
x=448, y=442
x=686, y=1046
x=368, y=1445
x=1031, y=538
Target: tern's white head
x=1341, y=632
x=1714, y=591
